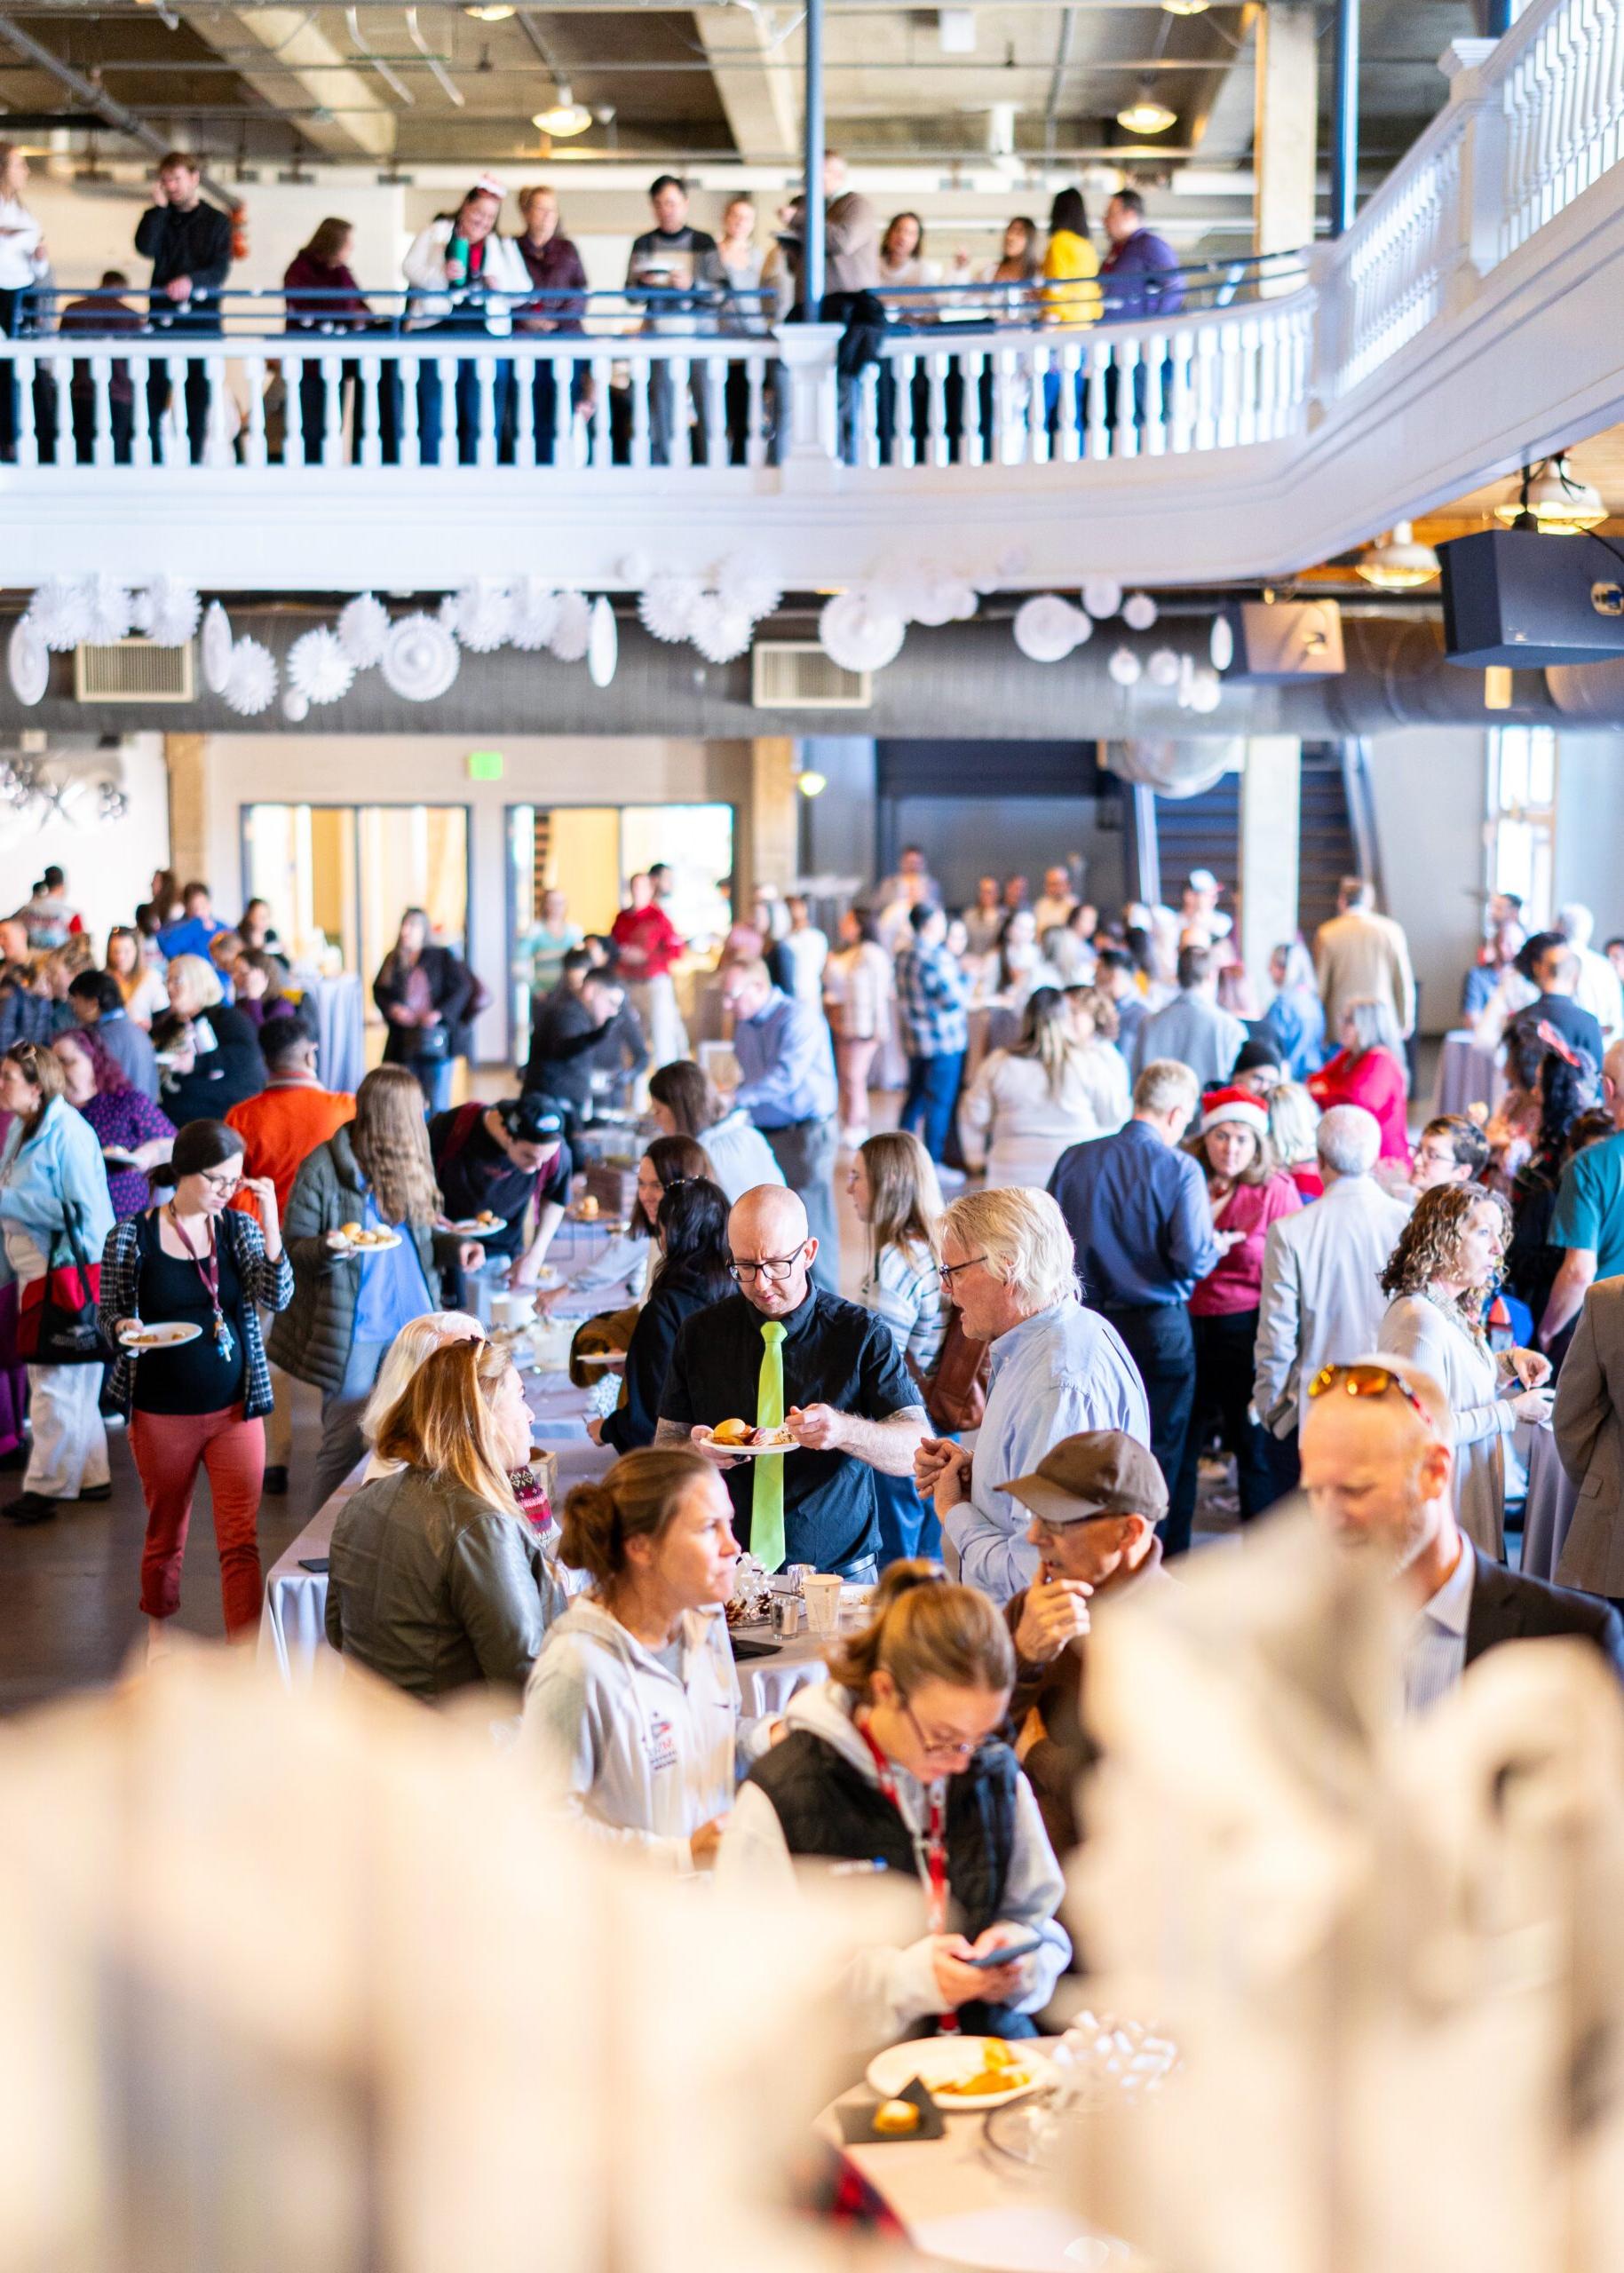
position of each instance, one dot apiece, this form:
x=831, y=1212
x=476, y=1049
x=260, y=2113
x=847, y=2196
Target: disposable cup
x=822, y=1592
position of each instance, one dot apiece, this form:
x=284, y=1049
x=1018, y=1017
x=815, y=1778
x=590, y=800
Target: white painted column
x=1286, y=114
x=1270, y=810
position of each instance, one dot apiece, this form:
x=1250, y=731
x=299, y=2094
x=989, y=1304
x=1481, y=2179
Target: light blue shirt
x=1057, y=1372
x=59, y=1168
x=1435, y=1648
x=1197, y=1033
x=392, y=1290
x=787, y=1062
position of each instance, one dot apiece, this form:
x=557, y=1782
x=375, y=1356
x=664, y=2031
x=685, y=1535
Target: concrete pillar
x=1270, y=803
x=1283, y=140
x=770, y=852
x=185, y=756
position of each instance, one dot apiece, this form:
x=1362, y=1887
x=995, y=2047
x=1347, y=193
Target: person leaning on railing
x=323, y=297
x=557, y=276
x=464, y=279
x=189, y=245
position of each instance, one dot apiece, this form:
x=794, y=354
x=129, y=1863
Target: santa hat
x=487, y=185
x=1238, y=1105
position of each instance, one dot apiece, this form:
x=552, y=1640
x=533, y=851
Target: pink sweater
x=1237, y=1282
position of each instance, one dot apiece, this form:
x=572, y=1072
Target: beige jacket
x=1363, y=958
x=1588, y=1420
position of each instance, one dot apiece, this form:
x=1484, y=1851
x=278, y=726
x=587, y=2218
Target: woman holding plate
x=197, y=1399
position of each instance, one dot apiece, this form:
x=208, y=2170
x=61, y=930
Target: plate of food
x=740, y=1441
x=601, y=1356
x=140, y=1334
x=359, y=1240
x=119, y=1155
x=585, y=1211
x=964, y=2075
x=480, y=1226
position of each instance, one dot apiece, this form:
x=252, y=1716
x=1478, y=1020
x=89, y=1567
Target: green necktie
x=767, y=1483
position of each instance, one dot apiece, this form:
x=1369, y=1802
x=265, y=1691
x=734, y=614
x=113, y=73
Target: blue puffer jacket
x=57, y=1173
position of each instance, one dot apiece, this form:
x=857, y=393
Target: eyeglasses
x=939, y=1748
x=949, y=1271
x=224, y=1185
x=1368, y=1381
x=773, y=1268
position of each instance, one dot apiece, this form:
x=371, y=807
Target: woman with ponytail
x=898, y=1762
x=631, y=1709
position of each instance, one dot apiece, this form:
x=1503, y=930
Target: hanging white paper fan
x=936, y=596
x=1140, y=611
x=602, y=644
x=574, y=627
x=108, y=605
x=484, y=616
x=1206, y=690
x=859, y=633
x=721, y=633
x=296, y=707
x=1102, y=595
x=27, y=663
x=1125, y=667
x=61, y=613
x=1048, y=627
x=216, y=648
x=1162, y=668
x=363, y=628
x=420, y=658
x=665, y=605
x=446, y=613
x=318, y=668
x=746, y=581
x=535, y=616
x=251, y=683
x=1221, y=643
x=167, y=612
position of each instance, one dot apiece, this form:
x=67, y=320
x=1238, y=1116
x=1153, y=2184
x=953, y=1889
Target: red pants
x=169, y=1448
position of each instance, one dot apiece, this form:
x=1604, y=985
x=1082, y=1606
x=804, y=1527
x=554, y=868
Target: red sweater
x=654, y=942
x=1235, y=1284
x=1375, y=1080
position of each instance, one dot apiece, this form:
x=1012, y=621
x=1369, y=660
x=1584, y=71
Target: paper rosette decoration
x=746, y=582
x=484, y=616
x=603, y=643
x=61, y=613
x=107, y=605
x=363, y=629
x=318, y=667
x=1206, y=690
x=251, y=683
x=666, y=605
x=166, y=611
x=1125, y=667
x=1139, y=611
x=719, y=632
x=535, y=617
x=1102, y=595
x=1163, y=668
x=216, y=648
x=935, y=595
x=1221, y=643
x=859, y=633
x=296, y=706
x=27, y=663
x=1048, y=627
x=573, y=630
x=420, y=658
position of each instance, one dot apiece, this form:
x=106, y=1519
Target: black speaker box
x=1511, y=597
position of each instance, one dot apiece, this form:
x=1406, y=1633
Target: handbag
x=599, y=1336
x=956, y=1395
x=56, y=1318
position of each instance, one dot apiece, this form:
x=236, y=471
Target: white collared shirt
x=1435, y=1648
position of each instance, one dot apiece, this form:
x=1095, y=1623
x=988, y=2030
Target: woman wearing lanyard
x=196, y=1261
x=898, y=1763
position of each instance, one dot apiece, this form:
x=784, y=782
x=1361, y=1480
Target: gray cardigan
x=431, y=1589
x=311, y=1340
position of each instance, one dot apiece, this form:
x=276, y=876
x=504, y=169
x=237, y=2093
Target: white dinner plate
x=471, y=1228
x=944, y=2059
x=373, y=1246
x=601, y=1357
x=121, y=1156
x=743, y=1452
x=149, y=1335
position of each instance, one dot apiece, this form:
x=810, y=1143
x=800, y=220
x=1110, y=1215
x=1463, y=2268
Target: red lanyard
x=210, y=1273
x=929, y=1853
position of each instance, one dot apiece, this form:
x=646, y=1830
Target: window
x=1523, y=818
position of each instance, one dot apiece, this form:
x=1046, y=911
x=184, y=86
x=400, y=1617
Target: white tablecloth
x=767, y=1684
x=1467, y=1075
x=1548, y=1512
x=336, y=1010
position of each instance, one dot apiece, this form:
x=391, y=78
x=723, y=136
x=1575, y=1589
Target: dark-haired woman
x=197, y=1260
x=321, y=295
x=626, y=1261
x=1072, y=297
x=631, y=1710
x=1566, y=1088
x=897, y=1761
x=683, y=1099
x=423, y=992
x=135, y=1137
x=690, y=1274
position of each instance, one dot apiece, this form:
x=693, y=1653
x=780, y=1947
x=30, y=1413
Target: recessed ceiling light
x=1559, y=503
x=1185, y=7
x=1400, y=564
x=1146, y=116
x=499, y=14
x=566, y=117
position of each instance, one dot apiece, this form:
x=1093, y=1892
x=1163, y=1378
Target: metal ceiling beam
x=754, y=85
x=101, y=106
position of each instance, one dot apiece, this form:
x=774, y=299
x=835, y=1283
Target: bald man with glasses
x=783, y=1352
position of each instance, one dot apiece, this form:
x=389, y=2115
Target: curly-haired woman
x=1447, y=1261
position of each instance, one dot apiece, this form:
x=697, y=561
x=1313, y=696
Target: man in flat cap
x=1095, y=1501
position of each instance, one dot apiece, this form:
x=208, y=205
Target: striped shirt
x=901, y=1287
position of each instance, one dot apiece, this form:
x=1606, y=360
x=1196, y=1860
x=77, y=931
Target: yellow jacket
x=1070, y=265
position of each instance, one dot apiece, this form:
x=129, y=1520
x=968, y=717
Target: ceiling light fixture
x=1146, y=116
x=1399, y=564
x=492, y=14
x=566, y=117
x=1554, y=499
x=1185, y=7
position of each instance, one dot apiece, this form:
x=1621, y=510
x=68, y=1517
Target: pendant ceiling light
x=1399, y=564
x=566, y=117
x=1185, y=7
x=1555, y=499
x=497, y=12
x=1146, y=116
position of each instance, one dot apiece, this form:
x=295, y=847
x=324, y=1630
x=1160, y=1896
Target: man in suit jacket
x=1588, y=1420
x=1361, y=957
x=1378, y=1467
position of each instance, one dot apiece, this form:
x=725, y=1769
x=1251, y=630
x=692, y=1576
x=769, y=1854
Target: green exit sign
x=484, y=764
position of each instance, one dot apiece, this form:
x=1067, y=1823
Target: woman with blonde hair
x=349, y=1302
x=899, y=1759
x=1439, y=1276
x=436, y=1581
x=214, y=1050
x=893, y=1188
x=1026, y=1105
x=1100, y=1065
x=146, y=996
x=418, y=1341
x=1293, y=1123
x=631, y=1711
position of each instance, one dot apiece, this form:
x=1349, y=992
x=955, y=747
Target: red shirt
x=1307, y=1180
x=648, y=940
x=1236, y=1282
x=1375, y=1080
x=281, y=1128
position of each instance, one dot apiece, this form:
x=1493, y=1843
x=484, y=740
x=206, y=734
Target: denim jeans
x=1161, y=1344
x=932, y=1092
x=908, y=1525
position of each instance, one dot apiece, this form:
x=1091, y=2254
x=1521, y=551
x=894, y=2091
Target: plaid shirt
x=262, y=1281
x=933, y=993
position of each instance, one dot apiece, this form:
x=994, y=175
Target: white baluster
x=331, y=368
x=449, y=372
x=61, y=406
x=1184, y=405
x=755, y=411
x=718, y=440
x=369, y=407
x=868, y=415
x=217, y=442
x=1155, y=395
x=140, y=439
x=1205, y=377
x=603, y=446
x=485, y=401
x=1100, y=369
x=23, y=370
x=644, y=377
x=411, y=434
x=1125, y=353
x=1004, y=390
x=1250, y=427
x=935, y=398
x=525, y=375
x=101, y=409
x=293, y=410
x=682, y=441
x=971, y=367
x=253, y=441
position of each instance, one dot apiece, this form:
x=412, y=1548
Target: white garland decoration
x=166, y=611
x=60, y=612
x=420, y=658
x=250, y=684
x=535, y=616
x=318, y=667
x=483, y=616
x=364, y=630
x=574, y=627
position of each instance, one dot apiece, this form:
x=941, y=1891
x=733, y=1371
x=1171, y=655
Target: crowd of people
x=1159, y=1223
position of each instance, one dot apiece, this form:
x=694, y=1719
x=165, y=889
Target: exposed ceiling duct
x=963, y=682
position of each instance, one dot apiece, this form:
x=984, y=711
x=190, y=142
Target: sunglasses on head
x=1368, y=1381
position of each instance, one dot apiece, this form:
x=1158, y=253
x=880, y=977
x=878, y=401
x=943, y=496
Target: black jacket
x=195, y=244
x=220, y=1077
x=676, y=1296
x=1507, y=1607
x=450, y=990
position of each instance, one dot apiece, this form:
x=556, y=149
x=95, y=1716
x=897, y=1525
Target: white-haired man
x=1377, y=1468
x=1321, y=1301
x=1599, y=990
x=1057, y=1370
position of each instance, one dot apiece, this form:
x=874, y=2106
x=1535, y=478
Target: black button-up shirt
x=835, y=1354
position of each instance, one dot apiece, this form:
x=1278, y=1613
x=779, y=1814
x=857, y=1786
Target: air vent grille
x=796, y=675
x=134, y=670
